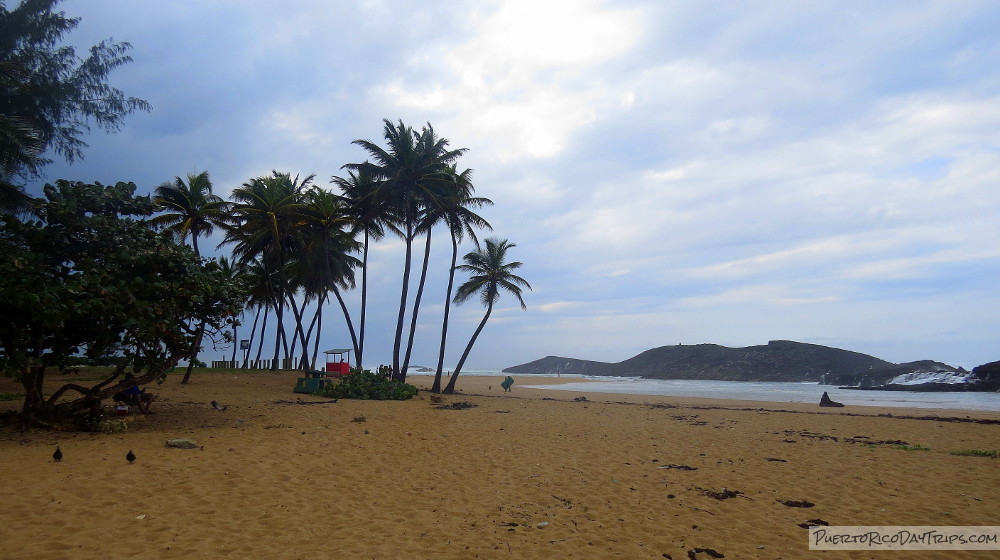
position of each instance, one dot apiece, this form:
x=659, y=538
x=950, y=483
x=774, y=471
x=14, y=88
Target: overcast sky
x=671, y=172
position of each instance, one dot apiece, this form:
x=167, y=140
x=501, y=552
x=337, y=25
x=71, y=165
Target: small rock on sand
x=181, y=443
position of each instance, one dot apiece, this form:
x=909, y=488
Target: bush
x=977, y=453
x=369, y=386
x=914, y=447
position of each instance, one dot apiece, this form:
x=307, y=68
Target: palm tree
x=367, y=213
x=461, y=220
x=190, y=209
x=266, y=214
x=490, y=273
x=325, y=263
x=407, y=172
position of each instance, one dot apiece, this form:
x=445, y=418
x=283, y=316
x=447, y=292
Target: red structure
x=338, y=361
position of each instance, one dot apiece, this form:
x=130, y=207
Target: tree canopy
x=49, y=96
x=91, y=276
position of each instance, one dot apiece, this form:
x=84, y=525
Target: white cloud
x=526, y=79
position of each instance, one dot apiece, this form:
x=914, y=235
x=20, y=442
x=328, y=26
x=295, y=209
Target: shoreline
x=482, y=385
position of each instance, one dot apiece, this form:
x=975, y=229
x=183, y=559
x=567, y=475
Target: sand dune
x=278, y=475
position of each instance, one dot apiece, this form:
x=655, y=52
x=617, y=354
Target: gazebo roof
x=338, y=351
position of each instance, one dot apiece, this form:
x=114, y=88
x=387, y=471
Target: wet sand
x=282, y=475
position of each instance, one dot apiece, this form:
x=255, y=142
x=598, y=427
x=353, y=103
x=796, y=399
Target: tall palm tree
x=368, y=215
x=266, y=214
x=461, y=221
x=407, y=172
x=325, y=261
x=490, y=274
x=190, y=209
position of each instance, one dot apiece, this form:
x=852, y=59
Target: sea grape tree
x=88, y=274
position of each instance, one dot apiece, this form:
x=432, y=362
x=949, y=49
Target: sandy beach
x=524, y=474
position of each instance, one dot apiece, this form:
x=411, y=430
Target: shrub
x=977, y=453
x=369, y=386
x=914, y=447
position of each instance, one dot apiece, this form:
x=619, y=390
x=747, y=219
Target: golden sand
x=278, y=475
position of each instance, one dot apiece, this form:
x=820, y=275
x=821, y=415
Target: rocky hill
x=779, y=360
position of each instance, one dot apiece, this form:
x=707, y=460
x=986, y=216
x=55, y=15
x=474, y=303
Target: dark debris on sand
x=460, y=405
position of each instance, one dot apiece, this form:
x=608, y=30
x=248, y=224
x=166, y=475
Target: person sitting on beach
x=134, y=396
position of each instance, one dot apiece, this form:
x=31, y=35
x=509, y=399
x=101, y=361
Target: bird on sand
x=130, y=456
x=57, y=456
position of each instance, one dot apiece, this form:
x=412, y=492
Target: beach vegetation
x=368, y=385
x=89, y=275
x=490, y=274
x=914, y=447
x=977, y=453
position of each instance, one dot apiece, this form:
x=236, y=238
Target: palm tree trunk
x=347, y=317
x=253, y=333
x=360, y=349
x=416, y=303
x=300, y=332
x=318, y=323
x=436, y=388
x=279, y=334
x=201, y=328
x=458, y=369
x=397, y=373
x=236, y=343
x=260, y=345
x=194, y=353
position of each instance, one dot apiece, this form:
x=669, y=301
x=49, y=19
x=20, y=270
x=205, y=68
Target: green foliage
x=914, y=447
x=49, y=96
x=977, y=453
x=367, y=385
x=11, y=396
x=90, y=277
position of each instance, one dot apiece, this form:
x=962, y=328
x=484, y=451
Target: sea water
x=756, y=391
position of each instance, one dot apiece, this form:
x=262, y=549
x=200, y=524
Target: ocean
x=757, y=391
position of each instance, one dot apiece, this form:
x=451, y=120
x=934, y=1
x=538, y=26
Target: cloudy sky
x=671, y=172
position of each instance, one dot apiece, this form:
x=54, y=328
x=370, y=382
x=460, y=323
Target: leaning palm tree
x=368, y=216
x=407, y=172
x=190, y=209
x=490, y=274
x=456, y=209
x=266, y=214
